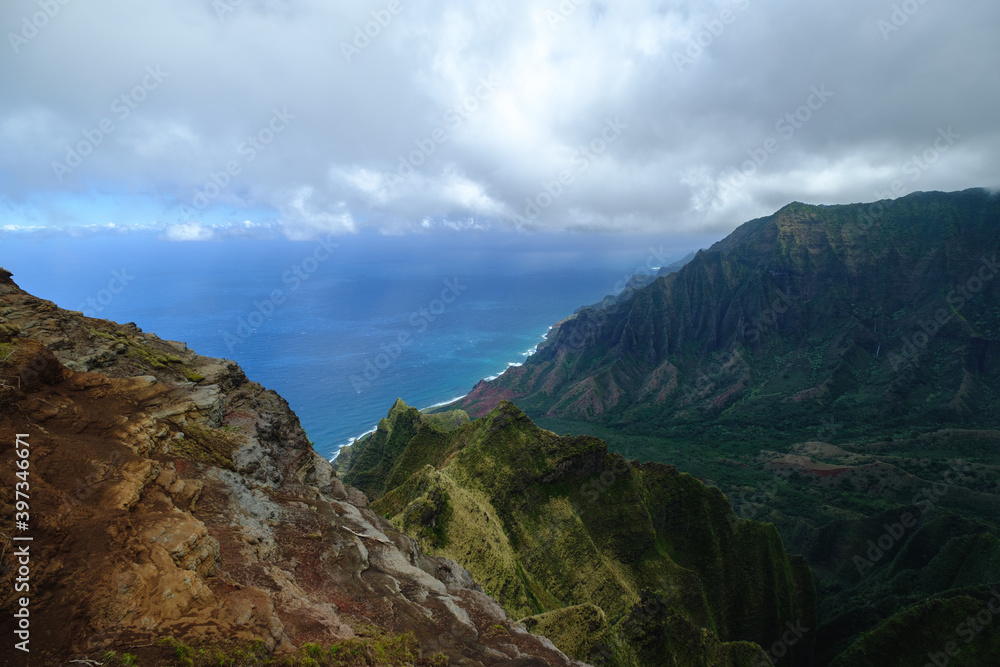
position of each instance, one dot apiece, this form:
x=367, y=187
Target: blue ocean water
x=340, y=332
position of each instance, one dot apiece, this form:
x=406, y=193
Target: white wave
x=350, y=442
x=442, y=403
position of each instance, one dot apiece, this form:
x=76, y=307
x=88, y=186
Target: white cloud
x=190, y=231
x=304, y=217
x=551, y=89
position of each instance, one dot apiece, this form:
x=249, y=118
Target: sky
x=205, y=119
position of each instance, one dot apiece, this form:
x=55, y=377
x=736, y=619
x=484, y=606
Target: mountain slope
x=640, y=280
x=884, y=312
x=180, y=516
x=619, y=563
x=831, y=368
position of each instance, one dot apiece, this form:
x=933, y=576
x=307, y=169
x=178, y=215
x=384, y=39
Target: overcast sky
x=631, y=116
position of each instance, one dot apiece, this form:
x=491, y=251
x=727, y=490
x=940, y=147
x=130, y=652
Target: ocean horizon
x=340, y=327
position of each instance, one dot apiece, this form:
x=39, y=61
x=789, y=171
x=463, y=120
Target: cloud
x=466, y=110
x=187, y=232
x=306, y=216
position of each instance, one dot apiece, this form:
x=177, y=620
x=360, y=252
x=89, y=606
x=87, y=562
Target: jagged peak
x=507, y=414
x=507, y=407
x=399, y=410
x=6, y=278
x=793, y=206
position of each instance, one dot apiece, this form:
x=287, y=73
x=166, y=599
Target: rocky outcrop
x=172, y=497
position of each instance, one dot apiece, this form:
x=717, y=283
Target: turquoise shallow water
x=339, y=332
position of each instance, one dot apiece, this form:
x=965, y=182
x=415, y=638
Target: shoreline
x=510, y=364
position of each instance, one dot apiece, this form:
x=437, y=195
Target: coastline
x=510, y=364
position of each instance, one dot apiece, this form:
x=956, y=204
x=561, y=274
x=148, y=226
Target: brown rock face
x=171, y=497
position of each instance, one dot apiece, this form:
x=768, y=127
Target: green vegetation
x=136, y=348
x=577, y=630
x=108, y=336
x=208, y=446
x=371, y=648
x=825, y=367
x=943, y=627
x=387, y=458
x=569, y=537
x=155, y=359
x=124, y=659
x=388, y=650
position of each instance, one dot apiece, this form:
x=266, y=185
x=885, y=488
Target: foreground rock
x=172, y=497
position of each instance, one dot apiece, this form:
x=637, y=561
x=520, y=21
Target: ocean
x=343, y=327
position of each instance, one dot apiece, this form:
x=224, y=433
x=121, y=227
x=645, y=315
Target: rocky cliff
x=180, y=515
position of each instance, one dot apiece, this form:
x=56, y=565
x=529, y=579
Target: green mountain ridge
x=829, y=368
x=814, y=306
x=640, y=280
x=619, y=563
